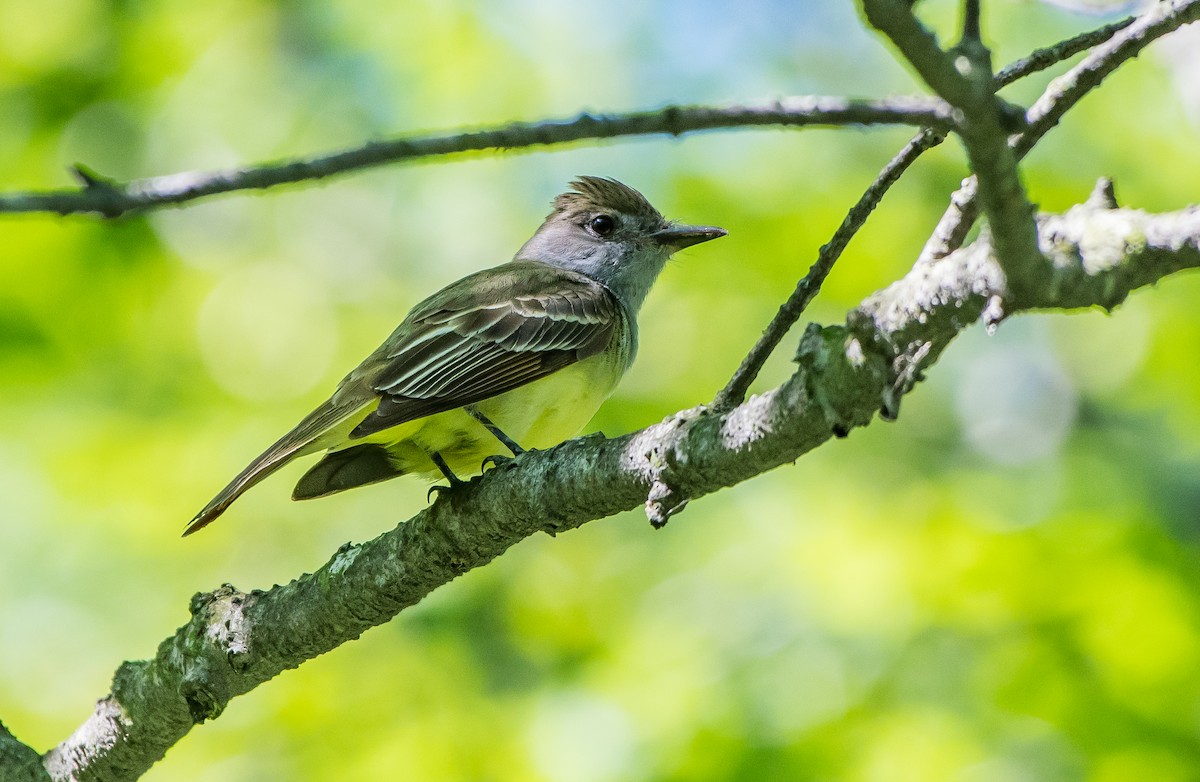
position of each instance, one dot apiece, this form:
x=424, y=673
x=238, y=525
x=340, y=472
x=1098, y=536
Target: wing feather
x=490, y=333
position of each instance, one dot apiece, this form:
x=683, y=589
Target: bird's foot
x=439, y=488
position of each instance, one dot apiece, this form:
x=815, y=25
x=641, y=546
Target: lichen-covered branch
x=18, y=761
x=99, y=195
x=235, y=641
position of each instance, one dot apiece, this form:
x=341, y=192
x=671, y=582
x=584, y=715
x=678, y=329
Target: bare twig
x=110, y=198
x=1041, y=59
x=789, y=312
x=1067, y=90
x=895, y=19
x=970, y=27
x=235, y=641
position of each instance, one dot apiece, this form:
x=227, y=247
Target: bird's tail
x=305, y=438
x=260, y=468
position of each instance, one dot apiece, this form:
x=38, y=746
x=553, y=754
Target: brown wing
x=489, y=333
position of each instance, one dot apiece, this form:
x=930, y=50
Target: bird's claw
x=495, y=460
x=439, y=488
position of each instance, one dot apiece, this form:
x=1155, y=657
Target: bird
x=518, y=356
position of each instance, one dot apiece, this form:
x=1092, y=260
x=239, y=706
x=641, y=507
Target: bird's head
x=608, y=231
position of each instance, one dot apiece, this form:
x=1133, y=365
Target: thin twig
x=112, y=199
x=970, y=26
x=790, y=311
x=106, y=197
x=1041, y=59
x=918, y=45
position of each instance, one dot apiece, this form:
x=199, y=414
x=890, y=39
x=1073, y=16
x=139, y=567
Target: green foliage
x=1001, y=585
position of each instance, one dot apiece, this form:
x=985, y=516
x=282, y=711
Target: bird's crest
x=592, y=194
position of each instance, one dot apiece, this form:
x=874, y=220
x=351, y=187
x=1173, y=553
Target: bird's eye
x=602, y=225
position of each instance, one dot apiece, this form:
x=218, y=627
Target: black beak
x=679, y=236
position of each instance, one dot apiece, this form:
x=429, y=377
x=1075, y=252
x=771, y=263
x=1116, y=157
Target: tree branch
x=110, y=198
x=107, y=197
x=1062, y=94
x=235, y=641
x=1094, y=255
x=1162, y=18
x=971, y=29
x=19, y=762
x=806, y=290
x=964, y=77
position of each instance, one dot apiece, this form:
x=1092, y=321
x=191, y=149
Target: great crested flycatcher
x=521, y=354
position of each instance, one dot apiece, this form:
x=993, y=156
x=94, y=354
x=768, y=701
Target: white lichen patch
x=968, y=272
x=645, y=454
x=96, y=736
x=228, y=627
x=854, y=353
x=344, y=559
x=1100, y=239
x=749, y=422
x=1175, y=231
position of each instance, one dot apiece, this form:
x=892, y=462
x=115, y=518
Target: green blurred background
x=1003, y=585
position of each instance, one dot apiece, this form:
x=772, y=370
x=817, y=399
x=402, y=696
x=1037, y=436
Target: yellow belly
x=538, y=415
